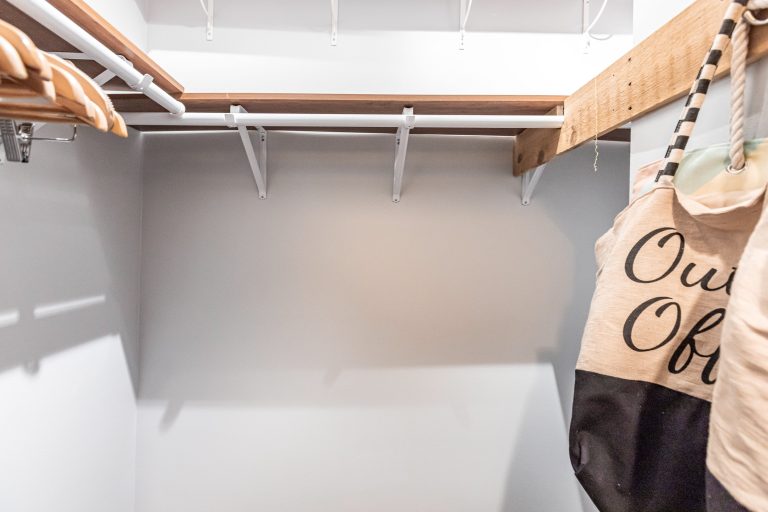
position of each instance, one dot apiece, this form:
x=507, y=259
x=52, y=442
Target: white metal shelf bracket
x=263, y=155
x=258, y=165
x=401, y=148
x=334, y=22
x=208, y=6
x=530, y=180
x=72, y=55
x=466, y=7
x=104, y=77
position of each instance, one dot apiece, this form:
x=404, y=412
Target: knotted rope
x=740, y=42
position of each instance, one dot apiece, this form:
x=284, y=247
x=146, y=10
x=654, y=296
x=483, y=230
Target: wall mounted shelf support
x=258, y=165
x=401, y=148
x=466, y=7
x=72, y=55
x=262, y=134
x=104, y=77
x=530, y=180
x=334, y=22
x=208, y=6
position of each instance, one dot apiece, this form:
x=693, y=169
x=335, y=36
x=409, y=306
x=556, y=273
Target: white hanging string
x=597, y=150
x=588, y=30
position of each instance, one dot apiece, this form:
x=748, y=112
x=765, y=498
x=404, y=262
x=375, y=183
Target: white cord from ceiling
x=588, y=30
x=466, y=15
x=597, y=18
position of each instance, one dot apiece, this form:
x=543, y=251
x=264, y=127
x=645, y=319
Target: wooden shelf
x=354, y=104
x=618, y=135
x=82, y=14
x=350, y=103
x=657, y=71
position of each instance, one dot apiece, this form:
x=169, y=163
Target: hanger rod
x=50, y=17
x=342, y=120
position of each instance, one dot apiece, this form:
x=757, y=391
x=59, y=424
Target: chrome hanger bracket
x=16, y=139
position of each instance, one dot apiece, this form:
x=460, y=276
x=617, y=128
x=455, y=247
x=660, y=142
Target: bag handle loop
x=740, y=47
x=698, y=93
x=740, y=42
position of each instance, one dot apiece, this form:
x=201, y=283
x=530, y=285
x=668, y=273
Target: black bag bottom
x=639, y=447
x=719, y=499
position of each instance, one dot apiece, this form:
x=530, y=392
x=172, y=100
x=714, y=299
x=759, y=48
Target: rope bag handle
x=684, y=128
x=740, y=42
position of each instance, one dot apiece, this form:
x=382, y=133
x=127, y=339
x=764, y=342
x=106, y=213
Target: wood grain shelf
x=354, y=104
x=654, y=73
x=351, y=103
x=82, y=14
x=618, y=135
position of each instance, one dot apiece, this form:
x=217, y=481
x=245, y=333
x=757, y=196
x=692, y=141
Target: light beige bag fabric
x=650, y=351
x=668, y=261
x=738, y=437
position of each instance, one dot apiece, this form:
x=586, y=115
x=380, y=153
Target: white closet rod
x=47, y=15
x=343, y=120
x=50, y=17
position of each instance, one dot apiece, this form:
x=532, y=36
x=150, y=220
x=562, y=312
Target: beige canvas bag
x=650, y=350
x=737, y=456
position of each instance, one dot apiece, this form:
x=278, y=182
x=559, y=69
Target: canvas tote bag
x=650, y=350
x=737, y=457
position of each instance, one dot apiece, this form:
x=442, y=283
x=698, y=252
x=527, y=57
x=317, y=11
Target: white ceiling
x=541, y=16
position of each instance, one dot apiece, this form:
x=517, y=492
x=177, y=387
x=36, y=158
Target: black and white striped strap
x=699, y=90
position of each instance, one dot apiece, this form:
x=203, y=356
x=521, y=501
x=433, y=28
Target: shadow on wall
x=69, y=263
x=327, y=274
x=583, y=226
x=326, y=331
x=539, y=437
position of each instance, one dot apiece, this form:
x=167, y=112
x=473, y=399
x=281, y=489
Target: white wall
x=394, y=47
x=127, y=16
x=328, y=350
x=394, y=62
x=69, y=267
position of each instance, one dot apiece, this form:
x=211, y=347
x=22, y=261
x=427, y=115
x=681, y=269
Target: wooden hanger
x=69, y=96
x=115, y=122
x=38, y=86
x=69, y=93
x=11, y=63
x=32, y=58
x=35, y=83
x=65, y=98
x=37, y=73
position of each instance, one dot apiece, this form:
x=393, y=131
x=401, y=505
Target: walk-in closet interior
x=367, y=256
